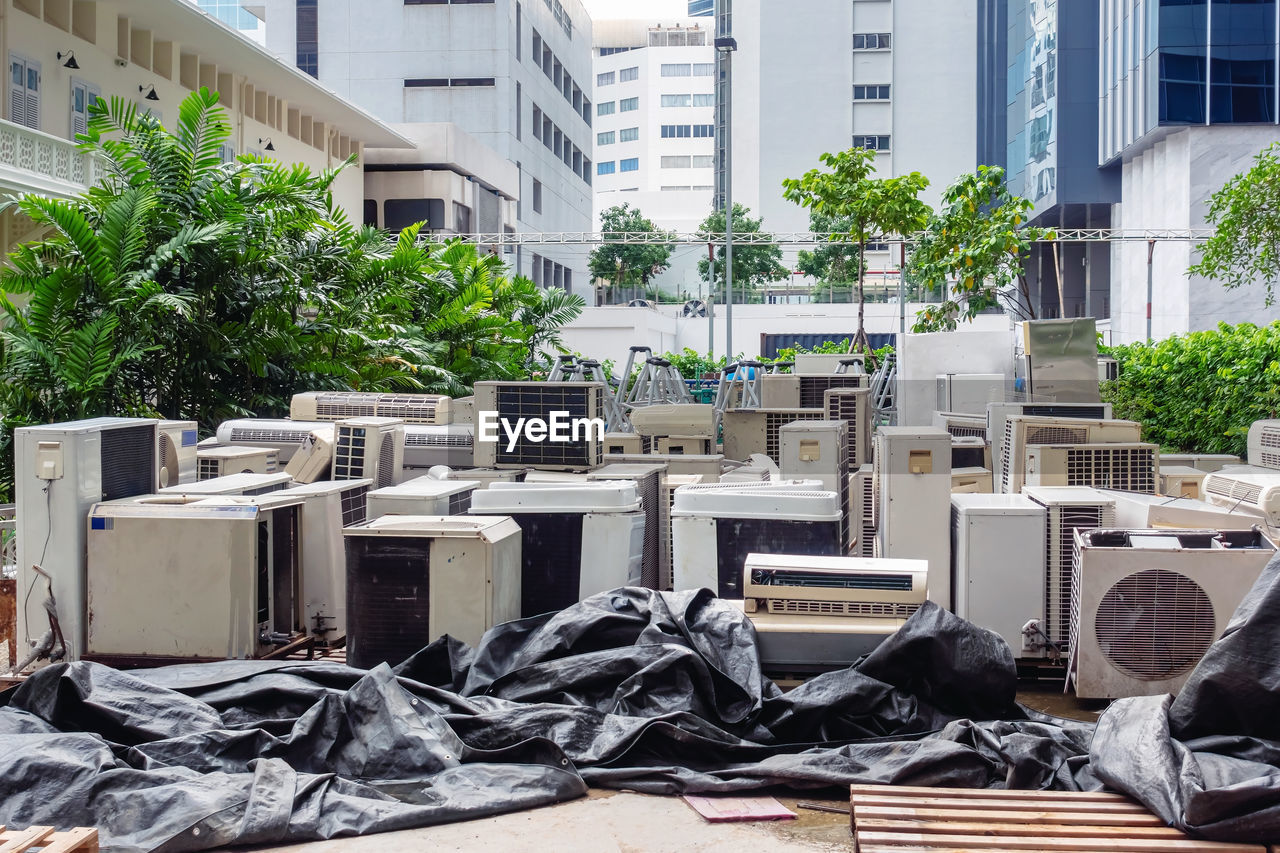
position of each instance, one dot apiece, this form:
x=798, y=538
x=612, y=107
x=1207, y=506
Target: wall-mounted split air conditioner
x=340, y=405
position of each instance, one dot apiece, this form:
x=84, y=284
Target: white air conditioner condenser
x=912, y=484
x=368, y=448
x=244, y=485
x=423, y=496
x=312, y=461
x=1264, y=443
x=223, y=461
x=177, y=452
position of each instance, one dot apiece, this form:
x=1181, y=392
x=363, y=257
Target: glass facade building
x=701, y=8
x=230, y=12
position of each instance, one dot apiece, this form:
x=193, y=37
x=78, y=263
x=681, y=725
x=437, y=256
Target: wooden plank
x=1009, y=804
x=861, y=812
x=78, y=839
x=1052, y=830
x=16, y=842
x=986, y=793
x=1050, y=845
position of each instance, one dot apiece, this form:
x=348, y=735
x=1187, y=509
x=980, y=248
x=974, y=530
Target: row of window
x=704, y=100
x=688, y=69
x=677, y=38
x=683, y=131
x=631, y=164
x=610, y=51
x=558, y=142
x=555, y=72
x=627, y=134
x=625, y=105
x=446, y=2
x=667, y=189
x=623, y=75
x=688, y=161
x=872, y=41
x=446, y=82
x=871, y=93
x=871, y=143
x=547, y=273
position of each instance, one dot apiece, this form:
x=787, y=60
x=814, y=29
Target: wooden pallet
x=890, y=819
x=46, y=839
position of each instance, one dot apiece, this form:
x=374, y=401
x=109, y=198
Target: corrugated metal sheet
x=770, y=344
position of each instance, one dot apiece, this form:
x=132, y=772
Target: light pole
x=725, y=46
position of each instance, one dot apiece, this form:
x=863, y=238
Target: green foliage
x=630, y=265
x=835, y=265
x=754, y=265
x=871, y=207
x=694, y=365
x=1199, y=392
x=1245, y=213
x=974, y=248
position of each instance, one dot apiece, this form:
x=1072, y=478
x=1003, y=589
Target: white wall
x=925, y=356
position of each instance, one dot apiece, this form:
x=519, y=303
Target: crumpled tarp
x=650, y=691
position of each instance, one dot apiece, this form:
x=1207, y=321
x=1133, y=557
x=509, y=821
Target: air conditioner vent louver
x=843, y=608
x=814, y=388
x=342, y=405
x=1056, y=435
x=1128, y=469
x=1233, y=489
x=239, y=434
x=1155, y=624
x=827, y=580
x=459, y=503
x=413, y=438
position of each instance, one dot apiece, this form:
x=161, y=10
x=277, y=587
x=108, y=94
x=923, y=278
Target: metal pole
x=1151, y=250
x=711, y=303
x=728, y=205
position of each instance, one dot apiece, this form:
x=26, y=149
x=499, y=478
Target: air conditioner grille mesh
x=851, y=406
x=1129, y=469
x=813, y=388
x=460, y=502
x=867, y=537
x=1233, y=489
x=1061, y=523
x=240, y=434
x=1154, y=624
x=387, y=472
x=432, y=439
x=843, y=608
x=349, y=449
x=1056, y=435
x=388, y=604
x=774, y=421
x=207, y=469
x=537, y=401
x=128, y=460
x=354, y=505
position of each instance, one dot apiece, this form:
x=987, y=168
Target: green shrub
x=1199, y=392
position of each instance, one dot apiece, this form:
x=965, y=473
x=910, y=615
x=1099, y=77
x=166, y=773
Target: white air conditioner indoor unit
x=1149, y=603
x=968, y=392
x=648, y=481
x=177, y=453
x=312, y=461
x=813, y=614
x=578, y=539
x=861, y=503
x=1264, y=444
x=670, y=482
x=662, y=419
x=1021, y=432
x=971, y=481
x=570, y=401
x=426, y=446
x=227, y=570
x=819, y=450
x=327, y=507
x=626, y=443
x=912, y=485
x=997, y=558
x=244, y=485
x=368, y=449
x=853, y=406
x=1138, y=511
x=341, y=405
x=284, y=436
x=222, y=461
x=60, y=472
x=1126, y=466
x=487, y=476
x=708, y=467
x=423, y=496
x=1248, y=488
x=413, y=579
x=715, y=526
x=1067, y=509
x=748, y=431
x=804, y=391
x=1207, y=462
x=1182, y=481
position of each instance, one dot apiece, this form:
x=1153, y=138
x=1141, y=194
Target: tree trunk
x=860, y=341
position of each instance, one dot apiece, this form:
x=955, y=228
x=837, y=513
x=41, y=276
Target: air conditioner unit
x=1148, y=604
x=327, y=507
x=912, y=485
x=1252, y=489
x=691, y=419
x=555, y=477
x=853, y=406
x=648, y=481
x=714, y=527
x=177, y=452
x=747, y=474
x=226, y=569
x=683, y=445
x=707, y=467
x=1126, y=466
x=423, y=496
x=969, y=392
x=748, y=431
x=487, y=476
x=1108, y=369
x=819, y=450
x=1207, y=462
x=998, y=413
x=813, y=614
x=340, y=405
x=813, y=363
x=60, y=472
x=1264, y=444
x=426, y=446
x=1181, y=481
x=962, y=425
x=221, y=461
x=861, y=501
x=243, y=485
x=313, y=459
x=577, y=405
x=413, y=579
x=464, y=410
x=1067, y=509
x=799, y=391
x=1145, y=512
x=670, y=482
x=997, y=560
x=1022, y=431
x=626, y=443
x=970, y=452
x=970, y=481
x=1062, y=358
x=284, y=436
x=368, y=449
x=578, y=538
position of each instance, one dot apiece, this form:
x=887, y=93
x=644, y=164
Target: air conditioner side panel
x=465, y=588
x=324, y=564
x=694, y=564
x=612, y=551
x=999, y=571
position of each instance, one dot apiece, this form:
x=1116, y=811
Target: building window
x=626, y=75
x=604, y=108
x=704, y=131
x=604, y=138
x=631, y=164
x=308, y=35
x=610, y=51
x=703, y=161
x=675, y=100
x=605, y=167
x=680, y=161
x=537, y=196
x=519, y=112
x=676, y=69
x=426, y=82
x=1242, y=62
x=605, y=79
x=626, y=105
x=586, y=111
x=537, y=122
x=704, y=69
x=705, y=100
x=536, y=53
x=676, y=131
x=871, y=143
x=629, y=134
x=83, y=96
x=872, y=41
x=24, y=92
x=674, y=189
x=537, y=269
x=871, y=93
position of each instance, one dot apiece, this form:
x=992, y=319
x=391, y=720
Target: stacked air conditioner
x=627, y=444
x=578, y=539
x=1147, y=604
x=715, y=526
x=853, y=406
x=670, y=482
x=962, y=425
x=177, y=452
x=748, y=431
x=672, y=428
x=284, y=436
x=433, y=409
x=1182, y=481
x=60, y=472
x=822, y=613
x=1067, y=509
x=578, y=405
x=312, y=460
x=235, y=485
x=220, y=461
x=327, y=508
x=368, y=449
x=1025, y=434
x=998, y=559
x=648, y=481
x=423, y=496
x=1248, y=489
x=798, y=391
x=708, y=467
x=1264, y=444
x=227, y=571
x=998, y=413
x=1138, y=511
x=413, y=579
x=912, y=492
x=428, y=445
x=819, y=450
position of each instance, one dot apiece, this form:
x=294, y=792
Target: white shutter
x=17, y=91
x=79, y=108
x=31, y=113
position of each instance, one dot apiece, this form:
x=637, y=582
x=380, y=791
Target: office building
x=513, y=76
x=239, y=15
x=701, y=8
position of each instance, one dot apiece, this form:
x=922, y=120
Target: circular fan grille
x=1154, y=624
x=168, y=461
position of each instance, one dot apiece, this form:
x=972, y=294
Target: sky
x=600, y=9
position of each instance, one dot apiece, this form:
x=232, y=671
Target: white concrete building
x=63, y=54
x=655, y=132
x=514, y=76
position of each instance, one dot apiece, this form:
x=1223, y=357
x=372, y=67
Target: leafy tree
x=754, y=264
x=976, y=242
x=1245, y=213
x=872, y=207
x=834, y=265
x=622, y=264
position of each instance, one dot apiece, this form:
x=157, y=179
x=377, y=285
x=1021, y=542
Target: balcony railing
x=33, y=161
